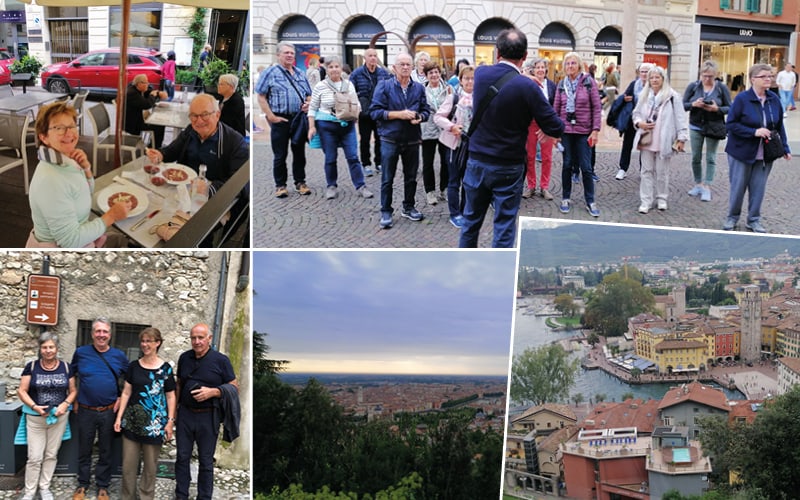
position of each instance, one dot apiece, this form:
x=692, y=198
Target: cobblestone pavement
x=351, y=221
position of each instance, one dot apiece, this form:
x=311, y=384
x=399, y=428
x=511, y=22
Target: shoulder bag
x=773, y=146
x=345, y=104
x=119, y=378
x=714, y=126
x=461, y=154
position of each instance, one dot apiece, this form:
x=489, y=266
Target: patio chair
x=13, y=129
x=101, y=125
x=77, y=103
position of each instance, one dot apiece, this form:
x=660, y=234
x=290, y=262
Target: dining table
x=169, y=114
x=24, y=102
x=163, y=201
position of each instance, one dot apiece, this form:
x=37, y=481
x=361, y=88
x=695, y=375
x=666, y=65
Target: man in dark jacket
x=201, y=372
x=497, y=158
x=206, y=141
x=365, y=78
x=398, y=106
x=139, y=98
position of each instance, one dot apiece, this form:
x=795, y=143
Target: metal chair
x=13, y=129
x=77, y=103
x=101, y=125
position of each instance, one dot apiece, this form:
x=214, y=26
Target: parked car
x=98, y=71
x=6, y=60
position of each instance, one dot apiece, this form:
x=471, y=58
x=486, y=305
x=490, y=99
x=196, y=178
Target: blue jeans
x=697, y=140
x=390, y=154
x=91, y=423
x=195, y=428
x=280, y=137
x=500, y=185
x=455, y=191
x=577, y=156
x=786, y=99
x=333, y=136
x=750, y=176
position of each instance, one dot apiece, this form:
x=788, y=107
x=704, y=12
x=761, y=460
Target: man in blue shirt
x=399, y=105
x=283, y=92
x=98, y=367
x=201, y=372
x=497, y=158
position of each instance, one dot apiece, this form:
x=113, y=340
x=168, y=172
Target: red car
x=98, y=71
x=6, y=60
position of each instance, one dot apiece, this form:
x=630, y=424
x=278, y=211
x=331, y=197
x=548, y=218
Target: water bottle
x=185, y=97
x=199, y=190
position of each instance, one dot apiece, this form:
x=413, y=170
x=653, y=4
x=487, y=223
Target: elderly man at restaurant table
x=231, y=104
x=139, y=99
x=206, y=142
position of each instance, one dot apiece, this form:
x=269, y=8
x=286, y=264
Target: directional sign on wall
x=44, y=294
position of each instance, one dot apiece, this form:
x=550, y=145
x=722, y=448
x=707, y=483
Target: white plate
x=190, y=174
x=141, y=197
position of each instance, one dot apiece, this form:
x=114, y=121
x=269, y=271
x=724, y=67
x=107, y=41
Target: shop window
x=144, y=30
x=124, y=336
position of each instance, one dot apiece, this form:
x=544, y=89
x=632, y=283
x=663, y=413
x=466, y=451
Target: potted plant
x=211, y=73
x=25, y=70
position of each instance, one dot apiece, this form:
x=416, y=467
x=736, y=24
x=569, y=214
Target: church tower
x=750, y=344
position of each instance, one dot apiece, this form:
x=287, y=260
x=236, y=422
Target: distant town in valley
x=703, y=326
x=373, y=397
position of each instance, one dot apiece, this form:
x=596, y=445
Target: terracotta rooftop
x=563, y=410
x=632, y=413
x=747, y=409
x=551, y=443
x=791, y=363
x=678, y=344
x=696, y=392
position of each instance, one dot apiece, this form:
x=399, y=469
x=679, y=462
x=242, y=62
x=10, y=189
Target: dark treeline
x=304, y=442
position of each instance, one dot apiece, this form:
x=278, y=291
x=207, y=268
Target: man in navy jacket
x=497, y=157
x=399, y=105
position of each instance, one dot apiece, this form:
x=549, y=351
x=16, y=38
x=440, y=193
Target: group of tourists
x=141, y=399
x=490, y=129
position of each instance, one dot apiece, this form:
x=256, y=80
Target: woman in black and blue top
x=146, y=415
x=47, y=389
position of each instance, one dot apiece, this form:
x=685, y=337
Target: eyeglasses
x=204, y=116
x=148, y=341
x=764, y=77
x=707, y=76
x=62, y=129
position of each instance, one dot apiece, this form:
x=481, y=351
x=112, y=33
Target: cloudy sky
x=430, y=312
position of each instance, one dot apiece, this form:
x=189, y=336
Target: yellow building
x=680, y=355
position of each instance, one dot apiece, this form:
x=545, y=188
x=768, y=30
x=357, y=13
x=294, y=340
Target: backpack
x=345, y=104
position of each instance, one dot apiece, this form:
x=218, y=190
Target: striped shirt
x=276, y=84
x=322, y=98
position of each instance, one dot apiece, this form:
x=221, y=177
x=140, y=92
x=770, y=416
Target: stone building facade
x=171, y=291
x=606, y=31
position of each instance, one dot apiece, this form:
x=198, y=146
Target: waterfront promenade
x=755, y=382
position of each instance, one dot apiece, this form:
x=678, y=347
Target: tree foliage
x=615, y=300
x=261, y=364
x=306, y=447
x=565, y=305
x=542, y=375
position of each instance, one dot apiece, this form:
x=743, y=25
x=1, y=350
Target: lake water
x=532, y=331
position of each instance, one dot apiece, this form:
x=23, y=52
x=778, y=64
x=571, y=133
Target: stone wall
x=171, y=291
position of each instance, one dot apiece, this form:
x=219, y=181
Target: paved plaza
x=352, y=222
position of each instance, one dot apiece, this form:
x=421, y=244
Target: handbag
x=298, y=128
x=461, y=154
x=646, y=138
x=714, y=129
x=345, y=104
x=773, y=146
x=167, y=230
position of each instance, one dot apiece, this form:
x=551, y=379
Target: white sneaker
x=662, y=204
x=643, y=209
x=621, y=174
x=431, y=197
x=30, y=496
x=46, y=494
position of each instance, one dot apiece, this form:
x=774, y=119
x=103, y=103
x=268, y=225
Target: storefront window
x=144, y=30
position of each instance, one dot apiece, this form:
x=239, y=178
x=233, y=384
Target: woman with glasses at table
x=62, y=187
x=753, y=115
x=146, y=416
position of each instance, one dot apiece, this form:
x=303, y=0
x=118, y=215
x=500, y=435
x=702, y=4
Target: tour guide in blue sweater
x=496, y=166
